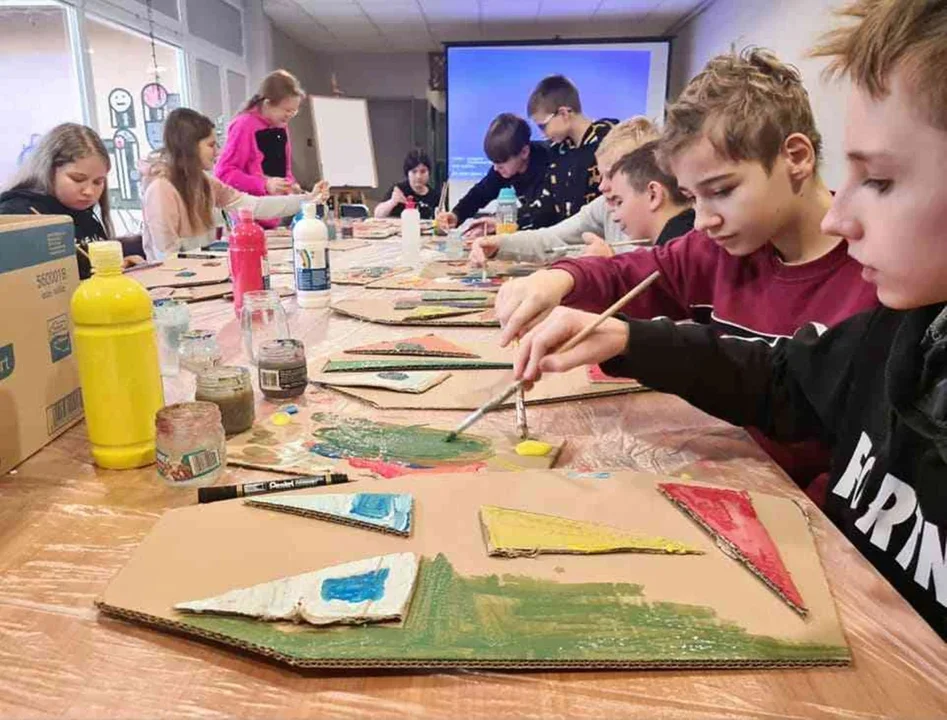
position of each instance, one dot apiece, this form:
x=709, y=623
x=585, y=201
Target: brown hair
x=64, y=144
x=746, y=105
x=909, y=35
x=641, y=167
x=626, y=136
x=507, y=135
x=183, y=130
x=552, y=93
x=276, y=87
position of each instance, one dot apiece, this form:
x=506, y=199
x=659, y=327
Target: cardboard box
x=39, y=377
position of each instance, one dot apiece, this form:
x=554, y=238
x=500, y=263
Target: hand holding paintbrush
x=550, y=346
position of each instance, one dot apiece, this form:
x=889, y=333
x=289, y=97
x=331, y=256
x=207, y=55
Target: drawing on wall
x=27, y=150
x=154, y=101
x=123, y=149
x=121, y=109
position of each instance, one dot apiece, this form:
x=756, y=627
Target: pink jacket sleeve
x=687, y=266
x=235, y=162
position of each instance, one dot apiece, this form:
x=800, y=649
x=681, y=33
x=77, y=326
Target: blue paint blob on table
x=372, y=505
x=356, y=588
x=185, y=273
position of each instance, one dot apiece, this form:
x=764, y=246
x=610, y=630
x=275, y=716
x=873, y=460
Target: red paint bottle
x=249, y=265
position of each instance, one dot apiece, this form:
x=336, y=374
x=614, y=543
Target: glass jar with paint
x=263, y=319
x=172, y=319
x=282, y=369
x=199, y=351
x=454, y=245
x=229, y=388
x=191, y=445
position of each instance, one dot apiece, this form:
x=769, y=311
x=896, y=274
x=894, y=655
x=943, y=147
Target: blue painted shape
x=356, y=588
x=372, y=505
x=326, y=451
x=7, y=361
x=185, y=274
x=594, y=475
x=290, y=409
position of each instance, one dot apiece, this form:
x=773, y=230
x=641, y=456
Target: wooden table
x=67, y=527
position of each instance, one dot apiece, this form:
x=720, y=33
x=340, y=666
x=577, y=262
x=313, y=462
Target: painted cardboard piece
x=365, y=275
x=429, y=345
x=441, y=284
x=509, y=532
x=371, y=364
x=397, y=381
x=385, y=512
x=183, y=272
x=473, y=610
x=369, y=448
x=372, y=590
x=729, y=517
x=383, y=312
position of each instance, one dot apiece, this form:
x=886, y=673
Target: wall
x=789, y=28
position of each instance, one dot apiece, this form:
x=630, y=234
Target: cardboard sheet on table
x=457, y=268
x=241, y=546
x=205, y=272
x=193, y=294
x=382, y=311
x=443, y=284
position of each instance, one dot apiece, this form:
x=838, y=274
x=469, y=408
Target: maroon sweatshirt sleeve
x=687, y=266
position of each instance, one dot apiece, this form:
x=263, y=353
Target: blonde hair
x=746, y=105
x=64, y=144
x=627, y=136
x=907, y=35
x=276, y=87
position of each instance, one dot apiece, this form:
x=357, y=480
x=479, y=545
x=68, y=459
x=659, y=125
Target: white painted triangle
x=391, y=512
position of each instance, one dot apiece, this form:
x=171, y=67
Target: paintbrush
x=494, y=403
x=79, y=248
x=620, y=243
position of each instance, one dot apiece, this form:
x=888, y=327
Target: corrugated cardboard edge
x=456, y=321
x=391, y=284
x=351, y=522
x=201, y=634
x=475, y=363
x=733, y=551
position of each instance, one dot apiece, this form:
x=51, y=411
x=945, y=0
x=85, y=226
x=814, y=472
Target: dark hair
x=276, y=87
x=507, y=135
x=641, y=167
x=552, y=93
x=183, y=130
x=414, y=158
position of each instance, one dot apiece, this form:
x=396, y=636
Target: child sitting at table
x=416, y=184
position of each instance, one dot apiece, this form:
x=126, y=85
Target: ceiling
x=421, y=25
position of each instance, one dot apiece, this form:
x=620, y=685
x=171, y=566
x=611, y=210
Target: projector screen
x=615, y=79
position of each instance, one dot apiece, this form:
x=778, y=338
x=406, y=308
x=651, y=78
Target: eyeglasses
x=542, y=125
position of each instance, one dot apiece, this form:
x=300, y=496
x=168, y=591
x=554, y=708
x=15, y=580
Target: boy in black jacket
x=875, y=386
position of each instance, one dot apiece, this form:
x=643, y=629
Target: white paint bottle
x=311, y=260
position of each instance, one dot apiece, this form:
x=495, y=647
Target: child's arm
x=387, y=207
x=541, y=243
x=478, y=196
x=235, y=160
x=263, y=207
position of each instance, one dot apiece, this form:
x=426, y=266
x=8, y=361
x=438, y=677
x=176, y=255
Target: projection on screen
x=615, y=80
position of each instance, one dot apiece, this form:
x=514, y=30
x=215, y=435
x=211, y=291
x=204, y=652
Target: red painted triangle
x=729, y=515
x=424, y=345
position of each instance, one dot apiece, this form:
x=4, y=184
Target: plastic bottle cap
x=309, y=210
x=245, y=214
x=106, y=255
x=507, y=193
x=409, y=203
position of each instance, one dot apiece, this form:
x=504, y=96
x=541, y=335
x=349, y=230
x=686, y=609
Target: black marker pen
x=228, y=492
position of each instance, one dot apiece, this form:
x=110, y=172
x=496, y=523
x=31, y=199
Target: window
x=38, y=75
x=130, y=107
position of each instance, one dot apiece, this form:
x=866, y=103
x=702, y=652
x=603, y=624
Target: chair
x=357, y=211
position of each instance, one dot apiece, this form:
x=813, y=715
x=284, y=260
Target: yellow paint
x=518, y=532
x=280, y=419
x=533, y=448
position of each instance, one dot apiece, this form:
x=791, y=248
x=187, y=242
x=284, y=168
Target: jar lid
x=187, y=417
x=198, y=335
x=224, y=377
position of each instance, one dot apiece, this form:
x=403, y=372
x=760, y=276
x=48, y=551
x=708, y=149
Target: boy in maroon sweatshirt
x=874, y=387
x=742, y=142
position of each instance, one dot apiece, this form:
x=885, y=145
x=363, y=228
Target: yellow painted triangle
x=515, y=533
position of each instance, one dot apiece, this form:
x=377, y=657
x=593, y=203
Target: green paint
x=516, y=618
x=411, y=444
x=439, y=296
x=378, y=365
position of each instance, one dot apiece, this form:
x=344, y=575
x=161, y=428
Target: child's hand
x=595, y=245
x=398, y=196
x=446, y=220
x=524, y=302
x=296, y=189
x=321, y=191
x=131, y=261
x=537, y=353
x=482, y=249
x=277, y=186
x=481, y=227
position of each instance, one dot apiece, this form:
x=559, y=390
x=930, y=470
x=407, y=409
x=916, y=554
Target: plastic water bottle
x=411, y=235
x=117, y=352
x=507, y=208
x=249, y=265
x=311, y=260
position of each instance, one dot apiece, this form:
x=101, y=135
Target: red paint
x=392, y=469
x=730, y=514
x=249, y=266
x=596, y=375
x=427, y=345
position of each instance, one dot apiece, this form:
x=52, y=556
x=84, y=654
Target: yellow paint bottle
x=118, y=362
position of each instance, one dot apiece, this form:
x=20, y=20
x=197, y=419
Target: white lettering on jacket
x=895, y=504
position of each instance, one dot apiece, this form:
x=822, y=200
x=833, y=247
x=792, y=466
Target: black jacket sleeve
x=478, y=196
x=794, y=391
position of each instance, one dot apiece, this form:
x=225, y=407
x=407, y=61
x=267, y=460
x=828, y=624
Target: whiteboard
x=344, y=138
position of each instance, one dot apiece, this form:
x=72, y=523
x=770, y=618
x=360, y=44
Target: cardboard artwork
x=382, y=311
x=383, y=512
x=468, y=389
x=373, y=590
x=183, y=272
x=473, y=610
x=418, y=346
x=495, y=269
x=393, y=380
x=368, y=448
x=193, y=294
x=509, y=532
x=365, y=275
x=376, y=228
x=729, y=517
x=370, y=364
x=432, y=312
x=460, y=301
x=598, y=377
x=441, y=284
